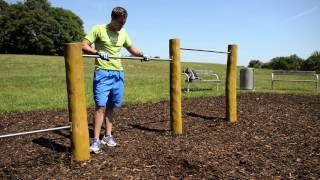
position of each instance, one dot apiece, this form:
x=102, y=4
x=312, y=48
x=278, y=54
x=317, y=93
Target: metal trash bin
x=247, y=79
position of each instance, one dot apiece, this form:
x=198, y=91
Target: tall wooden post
x=175, y=86
x=76, y=100
x=231, y=84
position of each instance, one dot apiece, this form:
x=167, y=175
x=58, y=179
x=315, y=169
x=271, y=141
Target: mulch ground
x=276, y=136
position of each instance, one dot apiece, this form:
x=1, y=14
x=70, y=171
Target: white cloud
x=303, y=13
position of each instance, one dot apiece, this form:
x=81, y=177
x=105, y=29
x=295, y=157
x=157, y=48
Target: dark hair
x=119, y=12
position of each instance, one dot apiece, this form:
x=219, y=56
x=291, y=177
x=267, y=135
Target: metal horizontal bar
x=284, y=80
x=203, y=50
x=36, y=131
x=127, y=57
x=288, y=72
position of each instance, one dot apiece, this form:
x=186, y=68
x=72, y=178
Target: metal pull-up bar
x=35, y=131
x=126, y=57
x=203, y=50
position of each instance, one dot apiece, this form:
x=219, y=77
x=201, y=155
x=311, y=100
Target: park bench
x=203, y=76
x=294, y=76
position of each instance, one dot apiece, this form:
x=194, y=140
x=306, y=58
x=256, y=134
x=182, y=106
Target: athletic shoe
x=95, y=146
x=109, y=140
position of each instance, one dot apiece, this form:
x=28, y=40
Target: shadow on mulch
x=215, y=119
x=144, y=128
x=63, y=134
x=50, y=144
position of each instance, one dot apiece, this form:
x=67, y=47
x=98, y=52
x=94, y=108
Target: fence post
x=175, y=86
x=76, y=101
x=231, y=84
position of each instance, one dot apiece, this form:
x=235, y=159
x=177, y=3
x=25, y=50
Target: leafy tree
x=312, y=63
x=36, y=5
x=295, y=62
x=34, y=27
x=255, y=64
x=266, y=65
x=3, y=6
x=70, y=27
x=292, y=62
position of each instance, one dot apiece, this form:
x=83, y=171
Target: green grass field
x=31, y=82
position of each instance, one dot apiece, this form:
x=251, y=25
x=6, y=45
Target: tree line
x=293, y=62
x=35, y=27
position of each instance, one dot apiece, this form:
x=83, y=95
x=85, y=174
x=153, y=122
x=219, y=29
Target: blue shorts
x=108, y=88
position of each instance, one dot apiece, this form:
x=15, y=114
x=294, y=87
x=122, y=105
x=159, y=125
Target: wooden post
x=175, y=86
x=231, y=84
x=76, y=100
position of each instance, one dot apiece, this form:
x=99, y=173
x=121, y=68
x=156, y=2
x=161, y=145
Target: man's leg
x=108, y=138
x=98, y=120
x=102, y=84
x=114, y=102
x=109, y=121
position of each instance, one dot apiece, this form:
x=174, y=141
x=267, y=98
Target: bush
x=255, y=64
x=312, y=63
x=266, y=65
x=292, y=62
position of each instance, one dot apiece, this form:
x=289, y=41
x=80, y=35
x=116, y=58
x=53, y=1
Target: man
x=108, y=81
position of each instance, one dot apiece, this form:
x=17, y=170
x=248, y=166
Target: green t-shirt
x=111, y=42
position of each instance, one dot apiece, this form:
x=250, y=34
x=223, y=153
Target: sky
x=262, y=29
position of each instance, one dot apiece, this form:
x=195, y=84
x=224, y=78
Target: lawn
x=32, y=82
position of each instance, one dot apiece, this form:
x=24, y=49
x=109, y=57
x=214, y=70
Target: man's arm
x=86, y=46
x=135, y=51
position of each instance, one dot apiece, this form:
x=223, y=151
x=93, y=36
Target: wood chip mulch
x=277, y=136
